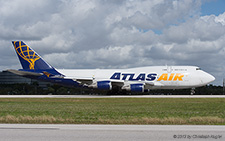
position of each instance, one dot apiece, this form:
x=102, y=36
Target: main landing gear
x=192, y=91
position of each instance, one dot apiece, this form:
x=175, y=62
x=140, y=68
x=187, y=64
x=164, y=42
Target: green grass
x=208, y=111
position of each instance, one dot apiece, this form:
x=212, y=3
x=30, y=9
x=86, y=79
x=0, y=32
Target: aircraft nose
x=208, y=78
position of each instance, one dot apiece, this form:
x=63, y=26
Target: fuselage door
x=169, y=69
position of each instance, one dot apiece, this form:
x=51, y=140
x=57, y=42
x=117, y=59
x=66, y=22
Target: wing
x=121, y=84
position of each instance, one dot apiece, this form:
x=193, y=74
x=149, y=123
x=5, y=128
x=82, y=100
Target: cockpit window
x=198, y=68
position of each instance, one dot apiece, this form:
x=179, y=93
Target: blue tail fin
x=30, y=60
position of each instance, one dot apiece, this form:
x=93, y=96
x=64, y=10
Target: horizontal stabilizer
x=25, y=73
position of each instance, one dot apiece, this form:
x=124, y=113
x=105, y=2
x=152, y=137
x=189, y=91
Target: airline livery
x=134, y=79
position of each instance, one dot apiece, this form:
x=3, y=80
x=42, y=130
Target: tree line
x=52, y=89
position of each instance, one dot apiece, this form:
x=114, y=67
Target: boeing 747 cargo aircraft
x=133, y=79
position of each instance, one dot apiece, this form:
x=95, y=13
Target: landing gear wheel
x=192, y=91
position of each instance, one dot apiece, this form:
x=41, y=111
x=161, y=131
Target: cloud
x=114, y=34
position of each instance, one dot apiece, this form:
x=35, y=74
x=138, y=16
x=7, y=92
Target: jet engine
x=105, y=85
x=134, y=87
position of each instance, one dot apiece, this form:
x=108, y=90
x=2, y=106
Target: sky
x=106, y=34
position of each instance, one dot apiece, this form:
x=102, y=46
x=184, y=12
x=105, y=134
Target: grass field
x=208, y=111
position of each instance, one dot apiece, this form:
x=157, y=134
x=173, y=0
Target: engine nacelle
x=134, y=87
x=137, y=87
x=105, y=85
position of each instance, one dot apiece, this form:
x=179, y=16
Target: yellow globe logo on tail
x=26, y=53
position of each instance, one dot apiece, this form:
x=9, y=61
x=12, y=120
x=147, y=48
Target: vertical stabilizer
x=30, y=60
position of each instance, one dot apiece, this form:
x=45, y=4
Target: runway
x=52, y=132
x=112, y=96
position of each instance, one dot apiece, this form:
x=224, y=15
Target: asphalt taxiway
x=54, y=132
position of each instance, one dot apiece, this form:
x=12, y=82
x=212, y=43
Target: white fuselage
x=155, y=77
